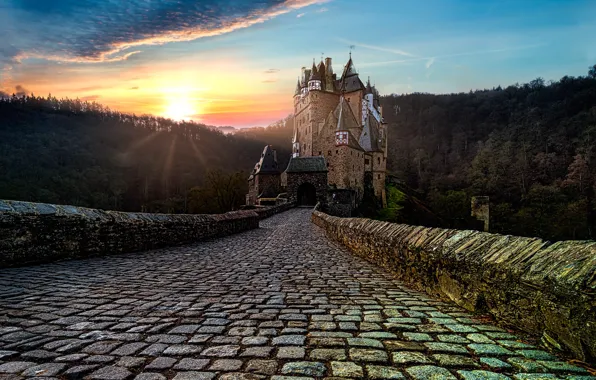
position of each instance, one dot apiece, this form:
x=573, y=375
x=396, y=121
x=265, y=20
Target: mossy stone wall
x=546, y=289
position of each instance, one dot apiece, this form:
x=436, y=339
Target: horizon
x=236, y=65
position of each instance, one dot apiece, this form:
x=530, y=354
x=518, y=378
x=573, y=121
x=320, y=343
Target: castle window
x=366, y=161
x=336, y=151
x=379, y=176
x=320, y=153
x=329, y=153
x=379, y=159
x=351, y=153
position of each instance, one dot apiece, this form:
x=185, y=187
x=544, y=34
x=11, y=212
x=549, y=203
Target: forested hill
x=73, y=152
x=531, y=148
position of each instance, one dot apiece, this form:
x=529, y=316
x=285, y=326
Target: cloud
x=271, y=71
x=430, y=62
x=20, y=90
x=8, y=53
x=300, y=15
x=88, y=88
x=4, y=95
x=269, y=81
x=471, y=53
x=379, y=48
x=110, y=30
x=134, y=88
x=321, y=10
x=90, y=98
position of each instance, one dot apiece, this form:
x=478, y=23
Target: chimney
x=328, y=66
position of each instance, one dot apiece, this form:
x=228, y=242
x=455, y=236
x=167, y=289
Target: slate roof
x=352, y=83
x=314, y=74
x=313, y=164
x=369, y=139
x=267, y=164
x=353, y=142
x=344, y=117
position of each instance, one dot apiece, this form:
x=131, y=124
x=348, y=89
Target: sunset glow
x=223, y=63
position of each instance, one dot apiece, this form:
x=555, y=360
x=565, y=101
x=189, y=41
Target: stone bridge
x=281, y=302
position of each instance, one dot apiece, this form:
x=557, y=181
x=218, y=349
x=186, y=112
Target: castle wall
x=251, y=197
x=346, y=169
x=542, y=288
x=322, y=103
x=270, y=183
x=312, y=110
x=354, y=99
x=379, y=164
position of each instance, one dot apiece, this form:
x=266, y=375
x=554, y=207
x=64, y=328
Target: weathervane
x=352, y=47
x=322, y=55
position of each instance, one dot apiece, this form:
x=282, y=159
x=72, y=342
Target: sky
x=236, y=62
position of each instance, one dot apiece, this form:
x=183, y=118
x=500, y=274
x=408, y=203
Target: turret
x=369, y=93
x=376, y=101
x=329, y=77
x=314, y=81
x=322, y=73
x=303, y=82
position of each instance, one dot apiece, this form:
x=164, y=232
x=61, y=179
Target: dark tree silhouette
x=68, y=151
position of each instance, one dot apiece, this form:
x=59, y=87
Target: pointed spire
x=297, y=87
x=314, y=73
x=349, y=69
x=369, y=89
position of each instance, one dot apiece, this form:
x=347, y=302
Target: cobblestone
x=280, y=302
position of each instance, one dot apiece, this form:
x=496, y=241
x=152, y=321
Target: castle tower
x=340, y=119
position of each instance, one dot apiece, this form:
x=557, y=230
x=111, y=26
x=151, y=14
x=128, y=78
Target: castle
x=339, y=135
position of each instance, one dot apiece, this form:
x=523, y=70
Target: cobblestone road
x=279, y=302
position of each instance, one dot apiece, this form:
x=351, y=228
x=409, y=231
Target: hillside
x=530, y=147
x=278, y=134
x=72, y=152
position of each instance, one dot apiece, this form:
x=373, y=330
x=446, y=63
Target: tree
x=578, y=175
x=592, y=72
x=222, y=192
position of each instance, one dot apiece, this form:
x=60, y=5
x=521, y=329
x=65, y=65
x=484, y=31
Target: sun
x=180, y=108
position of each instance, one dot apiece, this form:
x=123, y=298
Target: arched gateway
x=307, y=180
x=306, y=195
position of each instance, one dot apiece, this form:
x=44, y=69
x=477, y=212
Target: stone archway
x=306, y=195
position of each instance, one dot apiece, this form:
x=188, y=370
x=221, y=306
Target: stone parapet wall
x=545, y=289
x=266, y=212
x=36, y=232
